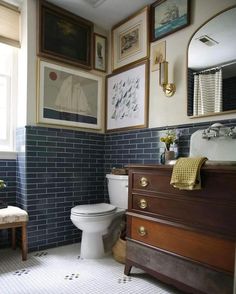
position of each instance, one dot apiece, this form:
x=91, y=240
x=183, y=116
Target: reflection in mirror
x=212, y=66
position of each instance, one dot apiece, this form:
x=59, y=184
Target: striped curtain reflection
x=207, y=92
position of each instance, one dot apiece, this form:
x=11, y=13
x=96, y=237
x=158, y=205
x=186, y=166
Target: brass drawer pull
x=142, y=231
x=142, y=203
x=143, y=182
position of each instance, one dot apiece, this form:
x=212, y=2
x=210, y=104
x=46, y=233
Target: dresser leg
x=13, y=238
x=127, y=269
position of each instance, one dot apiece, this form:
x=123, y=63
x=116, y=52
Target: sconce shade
x=168, y=88
x=163, y=77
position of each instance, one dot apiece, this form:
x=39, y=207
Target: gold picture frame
x=127, y=98
x=167, y=17
x=100, y=52
x=64, y=36
x=68, y=96
x=130, y=39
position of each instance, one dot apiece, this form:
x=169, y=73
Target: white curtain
x=207, y=97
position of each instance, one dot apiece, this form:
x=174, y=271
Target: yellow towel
x=186, y=173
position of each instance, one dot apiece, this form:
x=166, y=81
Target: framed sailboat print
x=68, y=96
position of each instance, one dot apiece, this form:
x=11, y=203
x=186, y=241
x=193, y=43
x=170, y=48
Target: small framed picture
x=130, y=40
x=168, y=16
x=100, y=52
x=127, y=98
x=158, y=55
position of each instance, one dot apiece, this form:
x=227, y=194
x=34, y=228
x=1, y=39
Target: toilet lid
x=99, y=208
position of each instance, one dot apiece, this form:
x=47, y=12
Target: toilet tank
x=118, y=190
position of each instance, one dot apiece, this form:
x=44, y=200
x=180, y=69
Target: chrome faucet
x=218, y=130
x=215, y=130
x=212, y=131
x=232, y=133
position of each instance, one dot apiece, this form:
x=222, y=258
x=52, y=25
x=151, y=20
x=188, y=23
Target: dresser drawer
x=157, y=181
x=147, y=181
x=209, y=250
x=174, y=208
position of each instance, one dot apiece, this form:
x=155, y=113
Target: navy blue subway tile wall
x=144, y=146
x=229, y=94
x=8, y=194
x=57, y=169
x=64, y=169
x=140, y=146
x=8, y=174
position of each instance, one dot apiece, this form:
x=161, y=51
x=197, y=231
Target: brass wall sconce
x=168, y=88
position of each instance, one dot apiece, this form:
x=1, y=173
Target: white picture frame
x=127, y=98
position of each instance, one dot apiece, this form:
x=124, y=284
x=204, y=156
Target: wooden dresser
x=183, y=238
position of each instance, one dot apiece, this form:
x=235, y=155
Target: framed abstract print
x=127, y=98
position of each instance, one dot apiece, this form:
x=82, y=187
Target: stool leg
x=24, y=242
x=13, y=238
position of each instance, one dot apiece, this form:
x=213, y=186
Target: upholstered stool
x=11, y=218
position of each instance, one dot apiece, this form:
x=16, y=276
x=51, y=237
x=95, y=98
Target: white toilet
x=94, y=219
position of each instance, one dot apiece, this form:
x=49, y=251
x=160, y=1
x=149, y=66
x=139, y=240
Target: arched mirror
x=212, y=66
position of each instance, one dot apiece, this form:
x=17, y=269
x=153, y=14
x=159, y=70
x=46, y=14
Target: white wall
x=166, y=111
x=163, y=111
x=22, y=70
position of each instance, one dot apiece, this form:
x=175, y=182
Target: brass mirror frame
x=187, y=57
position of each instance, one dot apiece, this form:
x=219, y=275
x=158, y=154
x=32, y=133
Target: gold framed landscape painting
x=130, y=40
x=127, y=98
x=64, y=36
x=68, y=97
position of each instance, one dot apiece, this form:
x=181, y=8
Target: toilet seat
x=89, y=210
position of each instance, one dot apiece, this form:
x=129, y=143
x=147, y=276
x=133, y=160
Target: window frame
x=7, y=141
x=8, y=146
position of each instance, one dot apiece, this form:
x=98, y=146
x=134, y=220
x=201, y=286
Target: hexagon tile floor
x=61, y=271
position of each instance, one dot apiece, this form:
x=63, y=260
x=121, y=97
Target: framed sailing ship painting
x=68, y=96
x=168, y=16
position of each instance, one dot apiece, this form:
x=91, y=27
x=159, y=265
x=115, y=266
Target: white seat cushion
x=12, y=214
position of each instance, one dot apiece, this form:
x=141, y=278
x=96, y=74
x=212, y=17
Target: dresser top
x=208, y=165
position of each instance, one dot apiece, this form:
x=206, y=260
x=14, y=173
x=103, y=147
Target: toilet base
x=92, y=246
